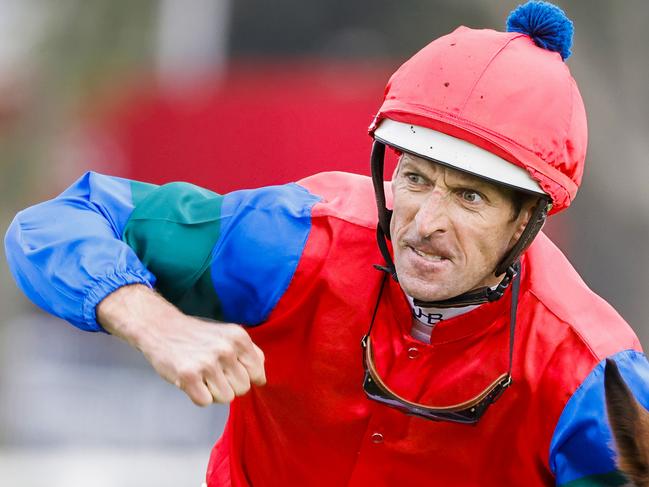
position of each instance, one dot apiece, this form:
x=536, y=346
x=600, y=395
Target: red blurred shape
x=257, y=124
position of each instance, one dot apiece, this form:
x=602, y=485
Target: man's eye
x=471, y=196
x=414, y=178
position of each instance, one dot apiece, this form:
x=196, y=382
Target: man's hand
x=209, y=361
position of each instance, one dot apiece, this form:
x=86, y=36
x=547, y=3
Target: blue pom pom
x=545, y=23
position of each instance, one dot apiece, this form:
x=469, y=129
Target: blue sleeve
x=581, y=451
x=66, y=254
x=263, y=235
x=225, y=257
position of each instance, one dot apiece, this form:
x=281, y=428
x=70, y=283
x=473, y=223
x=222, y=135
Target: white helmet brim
x=455, y=153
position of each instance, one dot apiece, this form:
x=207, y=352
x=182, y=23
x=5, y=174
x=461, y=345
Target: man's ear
x=523, y=217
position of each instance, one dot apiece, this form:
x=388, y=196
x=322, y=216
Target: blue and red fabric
x=294, y=263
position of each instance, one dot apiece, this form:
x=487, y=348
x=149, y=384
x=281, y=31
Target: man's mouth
x=428, y=256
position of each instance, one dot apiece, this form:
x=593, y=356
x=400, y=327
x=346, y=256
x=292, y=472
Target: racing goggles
x=467, y=412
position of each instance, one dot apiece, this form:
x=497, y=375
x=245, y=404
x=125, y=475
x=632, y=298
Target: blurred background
x=228, y=95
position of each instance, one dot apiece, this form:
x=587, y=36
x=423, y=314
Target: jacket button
x=413, y=352
x=377, y=438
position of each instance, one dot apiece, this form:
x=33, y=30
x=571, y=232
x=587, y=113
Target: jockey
x=462, y=350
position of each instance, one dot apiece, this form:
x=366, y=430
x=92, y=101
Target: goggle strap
x=378, y=300
x=512, y=317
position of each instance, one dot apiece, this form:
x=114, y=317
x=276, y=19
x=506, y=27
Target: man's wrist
x=131, y=312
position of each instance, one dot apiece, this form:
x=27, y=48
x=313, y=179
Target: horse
x=630, y=426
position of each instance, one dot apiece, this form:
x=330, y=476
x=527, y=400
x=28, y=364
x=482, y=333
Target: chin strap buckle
x=510, y=273
x=391, y=272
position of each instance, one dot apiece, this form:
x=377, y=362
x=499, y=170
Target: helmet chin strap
x=509, y=264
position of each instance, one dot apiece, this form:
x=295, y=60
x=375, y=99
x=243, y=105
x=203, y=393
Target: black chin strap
x=477, y=296
x=533, y=227
x=508, y=265
x=378, y=155
x=385, y=215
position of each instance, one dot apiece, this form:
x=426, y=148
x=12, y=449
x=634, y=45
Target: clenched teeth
x=430, y=257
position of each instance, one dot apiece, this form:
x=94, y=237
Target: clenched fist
x=209, y=361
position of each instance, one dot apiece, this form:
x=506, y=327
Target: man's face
x=449, y=229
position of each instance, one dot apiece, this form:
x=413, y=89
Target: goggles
x=467, y=412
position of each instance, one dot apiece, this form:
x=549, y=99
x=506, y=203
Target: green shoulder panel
x=611, y=479
x=173, y=230
x=140, y=190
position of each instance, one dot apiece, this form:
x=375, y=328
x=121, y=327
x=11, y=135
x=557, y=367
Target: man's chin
x=423, y=290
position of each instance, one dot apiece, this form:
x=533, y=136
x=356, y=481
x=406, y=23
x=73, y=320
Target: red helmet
x=500, y=105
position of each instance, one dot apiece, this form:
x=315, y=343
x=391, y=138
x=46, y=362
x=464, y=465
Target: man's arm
x=222, y=257
x=209, y=361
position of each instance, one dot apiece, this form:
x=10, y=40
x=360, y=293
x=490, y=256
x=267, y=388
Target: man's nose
x=432, y=215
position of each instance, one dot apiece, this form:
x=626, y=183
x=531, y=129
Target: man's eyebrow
x=464, y=179
x=468, y=180
x=422, y=165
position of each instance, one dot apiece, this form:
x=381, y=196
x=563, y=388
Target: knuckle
x=240, y=336
x=260, y=378
x=228, y=397
x=242, y=389
x=187, y=375
x=238, y=331
x=227, y=354
x=245, y=384
x=205, y=367
x=258, y=353
x=222, y=395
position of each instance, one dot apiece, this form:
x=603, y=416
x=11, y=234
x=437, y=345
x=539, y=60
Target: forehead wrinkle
x=470, y=180
x=420, y=164
x=461, y=177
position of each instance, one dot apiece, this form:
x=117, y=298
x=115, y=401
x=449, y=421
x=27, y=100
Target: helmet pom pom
x=545, y=23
